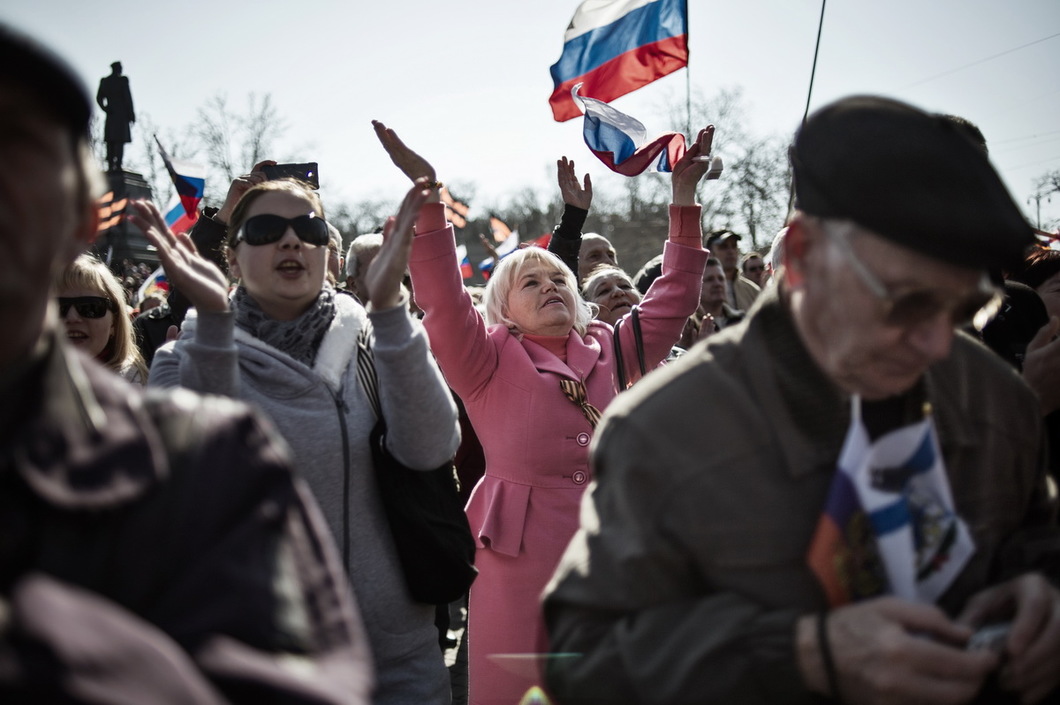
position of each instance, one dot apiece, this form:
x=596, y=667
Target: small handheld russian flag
x=621, y=141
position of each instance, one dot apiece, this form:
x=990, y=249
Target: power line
x=981, y=61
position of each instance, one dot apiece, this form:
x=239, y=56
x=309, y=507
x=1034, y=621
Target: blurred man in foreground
x=831, y=498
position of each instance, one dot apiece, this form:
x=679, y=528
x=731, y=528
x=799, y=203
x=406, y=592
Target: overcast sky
x=466, y=81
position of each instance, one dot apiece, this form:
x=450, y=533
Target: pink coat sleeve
x=466, y=353
x=673, y=297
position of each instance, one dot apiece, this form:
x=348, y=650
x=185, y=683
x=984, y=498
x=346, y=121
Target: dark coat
x=156, y=548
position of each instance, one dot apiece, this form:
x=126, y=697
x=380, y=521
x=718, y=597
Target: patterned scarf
x=575, y=391
x=299, y=338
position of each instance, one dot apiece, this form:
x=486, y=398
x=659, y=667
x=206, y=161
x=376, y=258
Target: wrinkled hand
x=690, y=169
x=889, y=650
x=1041, y=366
x=411, y=164
x=384, y=275
x=197, y=278
x=574, y=193
x=1033, y=646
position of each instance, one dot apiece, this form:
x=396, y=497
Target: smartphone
x=306, y=172
x=992, y=637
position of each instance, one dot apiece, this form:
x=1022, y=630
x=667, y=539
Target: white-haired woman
x=534, y=375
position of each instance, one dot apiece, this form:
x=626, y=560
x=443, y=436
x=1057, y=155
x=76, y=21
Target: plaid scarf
x=299, y=338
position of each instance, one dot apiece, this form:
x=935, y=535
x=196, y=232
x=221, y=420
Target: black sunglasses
x=86, y=306
x=267, y=228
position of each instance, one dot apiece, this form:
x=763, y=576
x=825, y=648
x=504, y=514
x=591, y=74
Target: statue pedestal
x=124, y=240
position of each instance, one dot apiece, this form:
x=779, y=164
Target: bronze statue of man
x=115, y=100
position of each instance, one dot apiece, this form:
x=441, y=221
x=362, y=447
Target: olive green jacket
x=688, y=574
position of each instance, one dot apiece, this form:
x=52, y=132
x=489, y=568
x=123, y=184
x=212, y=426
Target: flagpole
x=688, y=77
x=809, y=92
x=813, y=70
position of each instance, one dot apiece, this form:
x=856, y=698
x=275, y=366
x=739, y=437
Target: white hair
x=503, y=280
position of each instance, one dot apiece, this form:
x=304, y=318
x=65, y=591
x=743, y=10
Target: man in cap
x=740, y=291
x=154, y=547
x=831, y=499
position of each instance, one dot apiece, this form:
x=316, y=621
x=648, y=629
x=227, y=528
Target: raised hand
x=411, y=164
x=384, y=275
x=199, y=279
x=575, y=193
x=239, y=186
x=692, y=167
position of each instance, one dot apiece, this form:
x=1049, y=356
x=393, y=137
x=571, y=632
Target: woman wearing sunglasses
x=92, y=307
x=286, y=342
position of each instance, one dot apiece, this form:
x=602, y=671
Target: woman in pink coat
x=534, y=376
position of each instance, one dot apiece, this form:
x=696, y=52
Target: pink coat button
x=583, y=439
x=579, y=477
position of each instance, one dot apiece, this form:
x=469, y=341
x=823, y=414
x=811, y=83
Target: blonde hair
x=87, y=272
x=503, y=280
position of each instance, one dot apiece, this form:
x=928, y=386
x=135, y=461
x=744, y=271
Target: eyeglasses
x=267, y=228
x=86, y=306
x=756, y=268
x=914, y=306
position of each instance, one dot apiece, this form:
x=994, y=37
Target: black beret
x=27, y=63
x=908, y=176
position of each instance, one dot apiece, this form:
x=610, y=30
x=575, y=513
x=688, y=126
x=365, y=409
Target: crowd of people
x=817, y=473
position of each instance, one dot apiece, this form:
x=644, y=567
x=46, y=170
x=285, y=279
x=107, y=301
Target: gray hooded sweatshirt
x=323, y=414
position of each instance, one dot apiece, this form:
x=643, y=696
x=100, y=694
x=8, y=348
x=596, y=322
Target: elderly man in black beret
x=154, y=548
x=842, y=498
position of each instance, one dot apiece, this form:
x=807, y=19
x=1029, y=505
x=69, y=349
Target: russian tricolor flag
x=189, y=179
x=621, y=141
x=465, y=264
x=614, y=47
x=177, y=218
x=510, y=245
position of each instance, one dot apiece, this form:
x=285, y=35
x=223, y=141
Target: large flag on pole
x=614, y=47
x=189, y=179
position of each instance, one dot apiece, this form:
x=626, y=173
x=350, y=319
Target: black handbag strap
x=366, y=372
x=638, y=344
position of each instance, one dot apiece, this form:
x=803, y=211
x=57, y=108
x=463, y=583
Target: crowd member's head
x=92, y=307
x=334, y=254
x=533, y=292
x=1041, y=272
x=48, y=184
x=725, y=245
x=613, y=292
x=149, y=302
x=277, y=247
x=775, y=257
x=754, y=268
x=648, y=273
x=878, y=287
x=362, y=251
x=712, y=296
x=595, y=250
